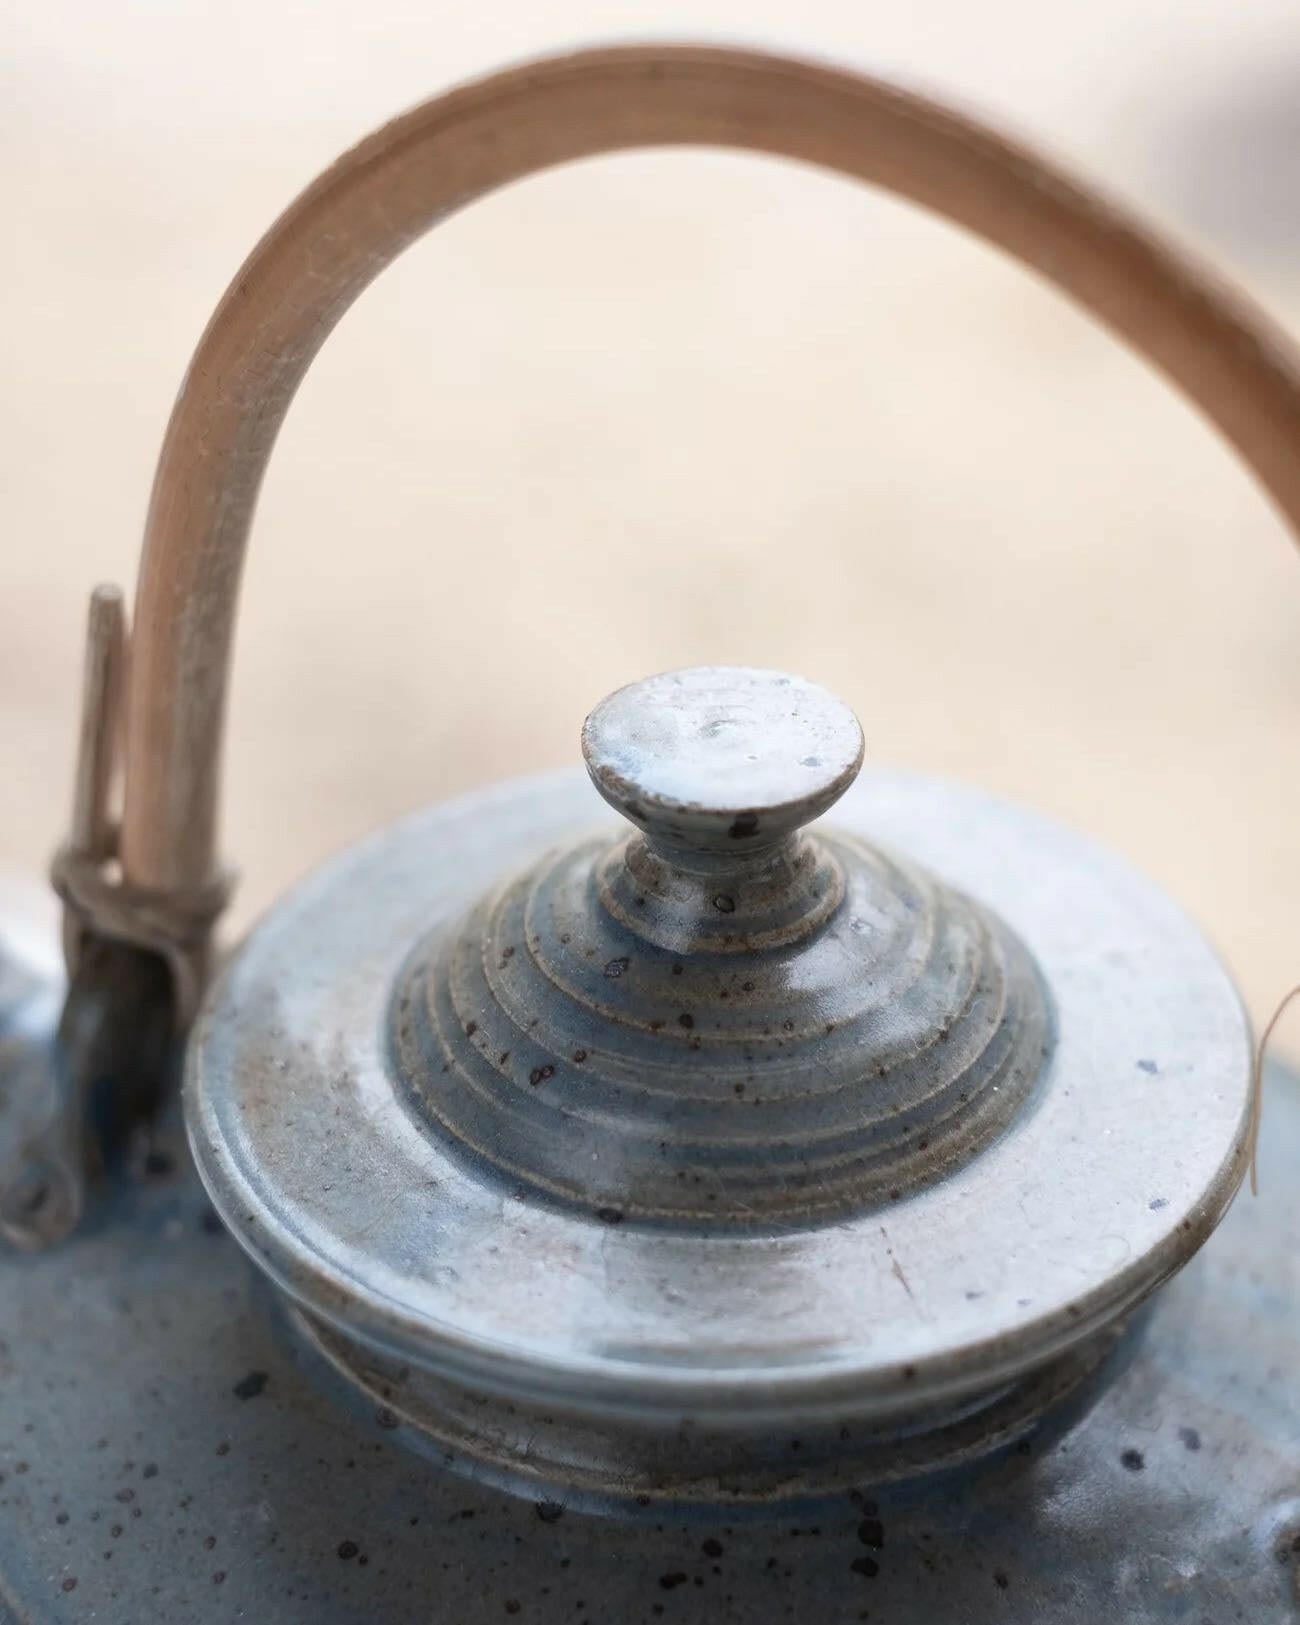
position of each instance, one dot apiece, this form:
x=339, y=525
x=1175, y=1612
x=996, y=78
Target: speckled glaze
x=486, y=1252
x=721, y=758
x=720, y=1020
x=35, y=1129
x=167, y=1455
x=504, y=1256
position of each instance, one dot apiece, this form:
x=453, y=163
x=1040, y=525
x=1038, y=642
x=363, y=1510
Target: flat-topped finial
x=720, y=757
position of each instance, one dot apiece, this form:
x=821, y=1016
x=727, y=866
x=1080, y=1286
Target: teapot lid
x=849, y=1146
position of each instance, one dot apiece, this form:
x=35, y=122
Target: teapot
x=622, y=1195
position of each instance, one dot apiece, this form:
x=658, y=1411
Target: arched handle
x=400, y=181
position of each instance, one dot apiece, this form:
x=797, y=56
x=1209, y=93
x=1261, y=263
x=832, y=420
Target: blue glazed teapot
x=728, y=1182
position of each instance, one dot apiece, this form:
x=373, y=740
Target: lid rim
x=834, y=1386
x=383, y=867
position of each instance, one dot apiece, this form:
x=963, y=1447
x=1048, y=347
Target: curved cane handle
x=395, y=185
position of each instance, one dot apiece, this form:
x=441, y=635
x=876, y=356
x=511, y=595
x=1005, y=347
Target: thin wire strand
x=1257, y=1089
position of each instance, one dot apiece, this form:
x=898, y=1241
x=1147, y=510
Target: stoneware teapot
x=685, y=1212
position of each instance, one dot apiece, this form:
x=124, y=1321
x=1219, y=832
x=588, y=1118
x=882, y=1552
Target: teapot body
x=176, y=1443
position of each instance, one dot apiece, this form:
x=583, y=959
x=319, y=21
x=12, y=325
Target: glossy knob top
x=716, y=756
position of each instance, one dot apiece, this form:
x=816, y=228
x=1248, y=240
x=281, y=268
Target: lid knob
x=722, y=759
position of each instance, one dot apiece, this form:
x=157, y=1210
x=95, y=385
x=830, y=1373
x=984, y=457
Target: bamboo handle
x=383, y=194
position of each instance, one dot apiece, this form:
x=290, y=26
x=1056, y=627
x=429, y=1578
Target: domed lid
x=722, y=1118
x=720, y=1020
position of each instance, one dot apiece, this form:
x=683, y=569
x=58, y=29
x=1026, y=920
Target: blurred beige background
x=670, y=408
